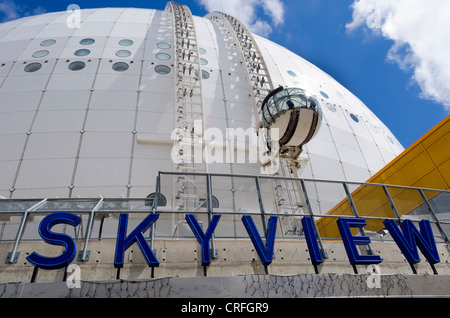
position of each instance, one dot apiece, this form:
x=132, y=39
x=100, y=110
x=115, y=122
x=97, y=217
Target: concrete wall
x=240, y=287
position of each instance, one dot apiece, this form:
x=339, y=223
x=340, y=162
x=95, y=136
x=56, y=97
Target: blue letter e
x=351, y=241
x=56, y=239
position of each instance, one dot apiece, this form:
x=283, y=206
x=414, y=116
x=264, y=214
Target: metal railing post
x=261, y=205
x=392, y=204
x=355, y=212
x=12, y=257
x=85, y=253
x=433, y=214
x=323, y=251
x=210, y=212
x=154, y=208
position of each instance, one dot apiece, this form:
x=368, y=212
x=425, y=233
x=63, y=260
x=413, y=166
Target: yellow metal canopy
x=425, y=164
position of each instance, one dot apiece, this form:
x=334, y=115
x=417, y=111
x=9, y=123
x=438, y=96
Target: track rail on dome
x=188, y=191
x=257, y=72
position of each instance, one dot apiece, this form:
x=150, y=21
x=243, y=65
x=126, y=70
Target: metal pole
x=323, y=251
x=355, y=213
x=261, y=205
x=154, y=208
x=391, y=202
x=210, y=211
x=84, y=256
x=433, y=214
x=12, y=255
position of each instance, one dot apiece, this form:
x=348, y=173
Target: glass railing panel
x=328, y=198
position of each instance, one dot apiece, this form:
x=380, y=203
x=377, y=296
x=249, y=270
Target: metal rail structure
x=258, y=75
x=289, y=194
x=188, y=108
x=102, y=214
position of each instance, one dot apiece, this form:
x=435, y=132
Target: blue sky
x=372, y=47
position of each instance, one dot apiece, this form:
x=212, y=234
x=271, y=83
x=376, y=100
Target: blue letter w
x=406, y=241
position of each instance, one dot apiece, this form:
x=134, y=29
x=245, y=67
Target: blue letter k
x=123, y=243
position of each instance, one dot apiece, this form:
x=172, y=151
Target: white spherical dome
x=90, y=110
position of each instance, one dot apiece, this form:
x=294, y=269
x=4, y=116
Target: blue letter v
x=265, y=252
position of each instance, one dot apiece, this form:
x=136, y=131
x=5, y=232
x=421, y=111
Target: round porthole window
x=292, y=74
x=82, y=52
x=87, y=41
x=41, y=53
x=126, y=42
x=163, y=45
x=352, y=116
x=205, y=74
x=76, y=66
x=201, y=50
x=162, y=69
x=163, y=56
x=48, y=42
x=120, y=67
x=331, y=107
x=33, y=67
x=123, y=53
x=202, y=61
x=324, y=94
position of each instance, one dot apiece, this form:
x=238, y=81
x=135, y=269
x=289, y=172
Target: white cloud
x=421, y=34
x=245, y=11
x=275, y=10
x=9, y=10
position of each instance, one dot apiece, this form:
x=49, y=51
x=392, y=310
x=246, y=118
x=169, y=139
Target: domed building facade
x=138, y=111
x=91, y=110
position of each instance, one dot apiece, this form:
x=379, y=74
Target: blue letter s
x=56, y=239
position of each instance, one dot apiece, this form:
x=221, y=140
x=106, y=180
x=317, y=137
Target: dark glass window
x=120, y=67
x=352, y=116
x=33, y=67
x=48, y=42
x=162, y=201
x=82, y=52
x=162, y=69
x=76, y=66
x=87, y=41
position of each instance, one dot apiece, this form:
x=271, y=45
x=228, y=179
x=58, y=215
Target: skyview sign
x=408, y=239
